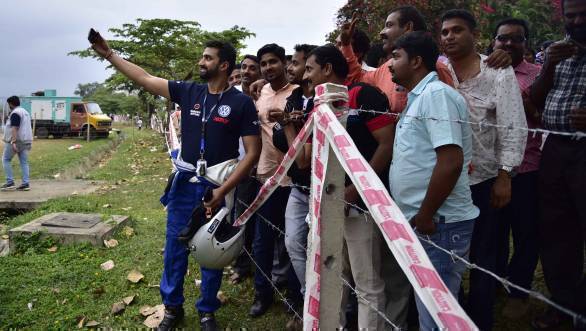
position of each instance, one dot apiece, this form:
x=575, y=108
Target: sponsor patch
x=224, y=110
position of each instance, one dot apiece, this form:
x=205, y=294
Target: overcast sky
x=36, y=35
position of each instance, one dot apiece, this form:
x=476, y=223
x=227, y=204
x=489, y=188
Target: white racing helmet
x=217, y=243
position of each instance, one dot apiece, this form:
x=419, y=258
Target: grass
x=48, y=157
x=67, y=285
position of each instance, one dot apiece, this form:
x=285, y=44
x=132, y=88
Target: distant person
x=540, y=56
x=235, y=78
x=139, y=124
x=18, y=139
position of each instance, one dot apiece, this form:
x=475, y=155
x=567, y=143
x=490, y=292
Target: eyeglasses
x=503, y=38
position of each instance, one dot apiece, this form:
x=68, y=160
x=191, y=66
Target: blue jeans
x=297, y=229
x=23, y=151
x=180, y=201
x=273, y=210
x=453, y=237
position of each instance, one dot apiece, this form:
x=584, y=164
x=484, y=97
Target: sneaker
x=8, y=187
x=23, y=187
x=207, y=321
x=173, y=315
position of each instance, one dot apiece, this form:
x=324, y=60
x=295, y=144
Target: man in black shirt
x=213, y=118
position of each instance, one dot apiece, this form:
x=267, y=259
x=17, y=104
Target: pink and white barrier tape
x=400, y=238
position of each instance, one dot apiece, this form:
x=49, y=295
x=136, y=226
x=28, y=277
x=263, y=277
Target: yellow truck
x=65, y=116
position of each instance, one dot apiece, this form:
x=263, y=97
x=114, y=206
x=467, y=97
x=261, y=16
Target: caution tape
x=398, y=234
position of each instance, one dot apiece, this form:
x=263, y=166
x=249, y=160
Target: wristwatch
x=509, y=170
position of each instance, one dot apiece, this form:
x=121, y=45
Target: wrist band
x=109, y=55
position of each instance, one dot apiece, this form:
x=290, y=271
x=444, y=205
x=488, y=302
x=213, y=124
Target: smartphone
x=93, y=36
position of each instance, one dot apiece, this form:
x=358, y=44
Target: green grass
x=49, y=157
x=69, y=284
x=136, y=177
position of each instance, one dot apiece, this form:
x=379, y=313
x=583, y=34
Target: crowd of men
x=465, y=187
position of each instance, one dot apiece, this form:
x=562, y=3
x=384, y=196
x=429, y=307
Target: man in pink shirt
x=520, y=215
x=273, y=96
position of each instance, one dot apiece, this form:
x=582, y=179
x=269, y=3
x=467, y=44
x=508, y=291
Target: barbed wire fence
x=577, y=135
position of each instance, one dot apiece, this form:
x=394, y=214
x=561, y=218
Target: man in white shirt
x=493, y=97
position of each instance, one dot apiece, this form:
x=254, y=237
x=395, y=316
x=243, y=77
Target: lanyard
x=204, y=120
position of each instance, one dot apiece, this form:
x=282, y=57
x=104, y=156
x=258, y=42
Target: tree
x=165, y=48
x=542, y=15
x=84, y=90
x=114, y=102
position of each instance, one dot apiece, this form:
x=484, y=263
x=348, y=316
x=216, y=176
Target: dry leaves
x=128, y=231
x=111, y=243
x=5, y=236
x=118, y=308
x=153, y=320
x=128, y=300
x=147, y=310
x=52, y=249
x=135, y=276
x=222, y=297
x=197, y=282
x=92, y=324
x=108, y=265
x=107, y=206
x=80, y=322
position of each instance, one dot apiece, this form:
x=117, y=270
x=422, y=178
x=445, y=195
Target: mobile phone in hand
x=93, y=36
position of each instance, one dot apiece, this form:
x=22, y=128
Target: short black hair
x=14, y=100
x=360, y=42
x=375, y=53
x=274, y=49
x=513, y=21
x=288, y=57
x=305, y=48
x=250, y=57
x=462, y=14
x=410, y=14
x=226, y=52
x=419, y=43
x=237, y=66
x=332, y=55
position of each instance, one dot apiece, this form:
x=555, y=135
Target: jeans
x=180, y=201
x=23, y=151
x=297, y=229
x=246, y=192
x=273, y=211
x=453, y=237
x=483, y=252
x=520, y=217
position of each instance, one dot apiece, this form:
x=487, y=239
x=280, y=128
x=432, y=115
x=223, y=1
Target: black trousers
x=562, y=225
x=520, y=218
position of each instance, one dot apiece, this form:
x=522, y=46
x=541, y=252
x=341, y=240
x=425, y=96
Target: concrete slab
x=76, y=231
x=4, y=247
x=43, y=190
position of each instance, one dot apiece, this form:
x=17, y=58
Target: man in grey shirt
x=18, y=138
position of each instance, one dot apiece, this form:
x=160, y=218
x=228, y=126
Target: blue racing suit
x=182, y=197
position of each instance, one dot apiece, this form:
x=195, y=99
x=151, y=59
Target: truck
x=65, y=116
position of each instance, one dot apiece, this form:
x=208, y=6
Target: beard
x=207, y=74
